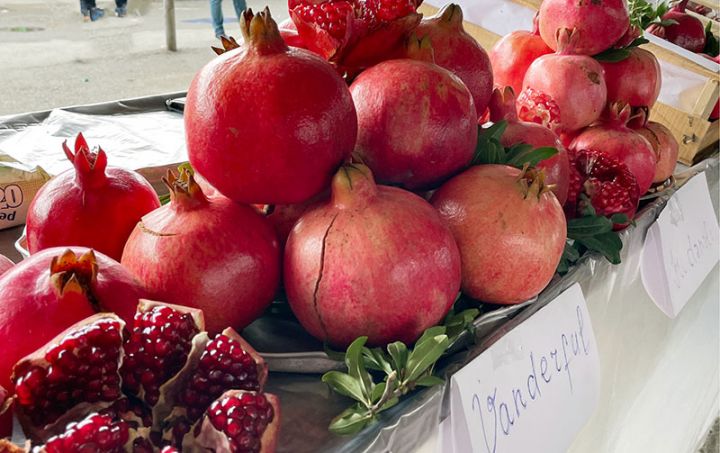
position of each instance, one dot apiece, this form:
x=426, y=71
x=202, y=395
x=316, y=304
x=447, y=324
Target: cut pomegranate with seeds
x=239, y=421
x=537, y=107
x=74, y=374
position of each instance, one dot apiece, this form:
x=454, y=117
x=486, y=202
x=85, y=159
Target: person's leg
x=121, y=8
x=240, y=6
x=86, y=6
x=217, y=17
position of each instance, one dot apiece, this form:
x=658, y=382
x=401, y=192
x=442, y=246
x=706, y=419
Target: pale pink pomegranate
x=563, y=91
x=510, y=230
x=663, y=142
x=414, y=134
x=458, y=52
x=513, y=54
x=502, y=107
x=613, y=138
x=635, y=80
x=600, y=23
x=374, y=261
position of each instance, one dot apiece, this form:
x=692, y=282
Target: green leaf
x=531, y=157
x=356, y=365
x=429, y=381
x=712, y=46
x=457, y=323
x=398, y=355
x=608, y=244
x=375, y=359
x=377, y=392
x=345, y=384
x=620, y=219
x=351, y=421
x=431, y=332
x=164, y=199
x=390, y=403
x=588, y=226
x=424, y=356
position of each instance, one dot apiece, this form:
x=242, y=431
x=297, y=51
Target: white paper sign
x=533, y=390
x=681, y=248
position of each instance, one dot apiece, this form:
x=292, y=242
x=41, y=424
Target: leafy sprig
x=614, y=55
x=490, y=151
x=644, y=13
x=712, y=46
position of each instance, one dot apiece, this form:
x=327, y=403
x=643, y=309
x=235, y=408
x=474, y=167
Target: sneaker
x=96, y=13
x=121, y=11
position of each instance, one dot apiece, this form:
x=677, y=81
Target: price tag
x=681, y=248
x=532, y=390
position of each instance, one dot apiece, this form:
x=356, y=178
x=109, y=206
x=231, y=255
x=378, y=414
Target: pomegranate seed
x=243, y=419
x=537, y=107
x=95, y=433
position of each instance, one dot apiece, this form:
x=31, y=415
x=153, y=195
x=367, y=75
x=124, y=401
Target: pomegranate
x=602, y=181
x=458, y=52
x=687, y=32
x=613, y=138
x=664, y=144
x=5, y=264
x=599, y=23
x=502, y=107
x=253, y=133
x=69, y=377
x=53, y=289
x=563, y=91
x=634, y=80
x=374, y=261
x=169, y=250
x=509, y=227
x=512, y=55
x=415, y=147
x=92, y=205
x=239, y=421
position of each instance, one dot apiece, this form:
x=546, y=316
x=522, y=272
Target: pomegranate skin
x=665, y=146
x=5, y=264
x=600, y=23
x=510, y=243
x=570, y=89
x=208, y=253
x=374, y=261
x=403, y=143
x=635, y=80
x=34, y=309
x=266, y=123
x=90, y=205
x=512, y=56
x=458, y=52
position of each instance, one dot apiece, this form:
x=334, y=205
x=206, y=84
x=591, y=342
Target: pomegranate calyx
x=228, y=43
x=89, y=166
x=185, y=193
x=567, y=40
x=531, y=182
x=353, y=185
x=451, y=15
x=68, y=273
x=261, y=32
x=420, y=49
x=536, y=24
x=502, y=105
x=620, y=113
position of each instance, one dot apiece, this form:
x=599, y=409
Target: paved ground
x=50, y=58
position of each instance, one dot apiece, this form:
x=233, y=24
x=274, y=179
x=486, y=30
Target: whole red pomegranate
x=635, y=80
x=402, y=143
x=457, y=51
x=687, y=31
x=613, y=138
x=374, y=261
x=563, y=91
x=599, y=23
x=92, y=205
x=209, y=253
x=663, y=142
x=502, y=107
x=5, y=264
x=513, y=54
x=52, y=289
x=266, y=123
x=510, y=230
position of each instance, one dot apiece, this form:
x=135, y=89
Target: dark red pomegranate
x=502, y=107
x=510, y=230
x=603, y=182
x=266, y=123
x=457, y=51
x=563, y=91
x=635, y=80
x=687, y=32
x=663, y=142
x=45, y=294
x=209, y=253
x=73, y=375
x=92, y=205
x=5, y=264
x=416, y=147
x=374, y=261
x=238, y=422
x=613, y=138
x=513, y=54
x=599, y=23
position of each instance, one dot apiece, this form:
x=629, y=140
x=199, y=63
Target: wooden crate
x=695, y=134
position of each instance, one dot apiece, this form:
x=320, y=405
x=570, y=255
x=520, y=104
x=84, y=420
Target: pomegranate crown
x=502, y=105
x=88, y=164
x=536, y=24
x=228, y=44
x=567, y=40
x=261, y=32
x=184, y=191
x=353, y=185
x=619, y=112
x=532, y=182
x=450, y=15
x=420, y=49
x=70, y=273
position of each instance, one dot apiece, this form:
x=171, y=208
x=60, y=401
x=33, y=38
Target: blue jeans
x=87, y=5
x=217, y=14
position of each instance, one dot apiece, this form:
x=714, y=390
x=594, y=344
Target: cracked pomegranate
x=414, y=134
x=510, y=230
x=92, y=205
x=634, y=80
x=266, y=109
x=374, y=261
x=229, y=246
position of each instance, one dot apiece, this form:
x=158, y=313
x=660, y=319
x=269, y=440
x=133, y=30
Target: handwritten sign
x=681, y=248
x=533, y=390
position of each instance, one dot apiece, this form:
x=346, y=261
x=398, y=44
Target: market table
x=659, y=375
